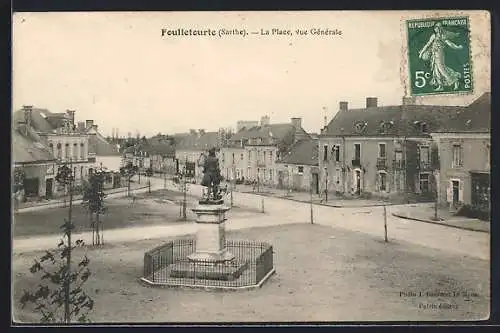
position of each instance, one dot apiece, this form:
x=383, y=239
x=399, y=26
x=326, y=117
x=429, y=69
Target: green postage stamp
x=439, y=56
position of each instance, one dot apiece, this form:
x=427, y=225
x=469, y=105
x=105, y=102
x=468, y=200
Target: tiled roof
x=276, y=131
x=27, y=150
x=203, y=141
x=152, y=149
x=475, y=118
x=406, y=120
x=42, y=120
x=303, y=152
x=101, y=147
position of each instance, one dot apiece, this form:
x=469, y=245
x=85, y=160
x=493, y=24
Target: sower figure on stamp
x=433, y=51
x=211, y=176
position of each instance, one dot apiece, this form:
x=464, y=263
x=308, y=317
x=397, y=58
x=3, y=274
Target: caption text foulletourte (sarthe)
x=225, y=32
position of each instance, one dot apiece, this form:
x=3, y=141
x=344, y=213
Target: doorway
x=315, y=183
x=455, y=188
x=49, y=183
x=358, y=182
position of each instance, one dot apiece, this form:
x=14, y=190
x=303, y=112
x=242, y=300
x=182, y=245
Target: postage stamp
x=439, y=60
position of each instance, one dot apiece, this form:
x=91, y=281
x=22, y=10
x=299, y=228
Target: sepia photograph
x=250, y=167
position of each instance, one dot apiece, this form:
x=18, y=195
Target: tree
x=129, y=171
x=93, y=200
x=50, y=302
x=60, y=297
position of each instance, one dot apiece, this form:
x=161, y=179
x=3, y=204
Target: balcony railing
x=381, y=163
x=425, y=166
x=356, y=163
x=398, y=164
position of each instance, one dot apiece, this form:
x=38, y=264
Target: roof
x=163, y=149
x=25, y=149
x=276, y=131
x=101, y=147
x=406, y=120
x=475, y=118
x=42, y=120
x=304, y=152
x=198, y=141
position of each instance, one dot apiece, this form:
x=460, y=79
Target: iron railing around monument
x=169, y=264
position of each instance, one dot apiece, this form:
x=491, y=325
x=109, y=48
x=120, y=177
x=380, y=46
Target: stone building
x=297, y=168
x=382, y=150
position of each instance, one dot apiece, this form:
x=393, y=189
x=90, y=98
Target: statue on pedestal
x=211, y=179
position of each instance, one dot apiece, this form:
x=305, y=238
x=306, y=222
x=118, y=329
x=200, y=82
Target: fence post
x=385, y=223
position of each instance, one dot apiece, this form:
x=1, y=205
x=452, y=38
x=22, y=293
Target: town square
x=194, y=193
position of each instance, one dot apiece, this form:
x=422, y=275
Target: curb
x=320, y=204
x=439, y=223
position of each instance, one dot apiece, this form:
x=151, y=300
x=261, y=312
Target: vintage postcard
x=208, y=167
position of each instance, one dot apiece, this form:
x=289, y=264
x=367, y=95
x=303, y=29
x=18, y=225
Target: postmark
x=439, y=57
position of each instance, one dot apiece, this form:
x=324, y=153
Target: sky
x=117, y=69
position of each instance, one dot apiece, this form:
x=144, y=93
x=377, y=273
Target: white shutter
x=449, y=192
x=461, y=191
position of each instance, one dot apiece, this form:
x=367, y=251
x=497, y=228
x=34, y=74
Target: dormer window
x=385, y=126
x=360, y=127
x=424, y=128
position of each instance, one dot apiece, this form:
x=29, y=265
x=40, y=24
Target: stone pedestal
x=211, y=234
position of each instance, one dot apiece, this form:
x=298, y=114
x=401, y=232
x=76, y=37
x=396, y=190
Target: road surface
x=368, y=220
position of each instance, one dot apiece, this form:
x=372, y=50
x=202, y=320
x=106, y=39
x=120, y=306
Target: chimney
x=81, y=126
x=28, y=112
x=371, y=102
x=408, y=100
x=343, y=106
x=89, y=124
x=297, y=123
x=71, y=114
x=95, y=127
x=264, y=121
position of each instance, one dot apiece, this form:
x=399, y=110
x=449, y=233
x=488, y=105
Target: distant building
x=298, y=167
x=464, y=154
x=191, y=146
x=107, y=154
x=385, y=150
x=241, y=124
x=251, y=153
x=59, y=132
x=36, y=164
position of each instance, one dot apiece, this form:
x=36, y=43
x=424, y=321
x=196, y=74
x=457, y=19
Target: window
x=325, y=153
x=249, y=156
x=249, y=172
x=383, y=182
x=270, y=157
x=59, y=151
x=233, y=158
x=51, y=146
x=264, y=156
x=425, y=128
x=357, y=151
x=82, y=151
x=66, y=151
x=457, y=156
x=424, y=182
x=81, y=172
x=223, y=157
x=270, y=174
x=381, y=150
x=75, y=151
x=241, y=157
x=424, y=155
x=300, y=170
x=336, y=153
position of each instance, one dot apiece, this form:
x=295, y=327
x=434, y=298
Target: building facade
x=297, y=169
x=251, y=153
x=464, y=154
x=382, y=150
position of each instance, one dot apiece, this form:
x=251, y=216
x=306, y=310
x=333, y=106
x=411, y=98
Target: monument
x=211, y=259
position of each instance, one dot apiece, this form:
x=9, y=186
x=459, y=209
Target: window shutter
x=449, y=192
x=461, y=191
